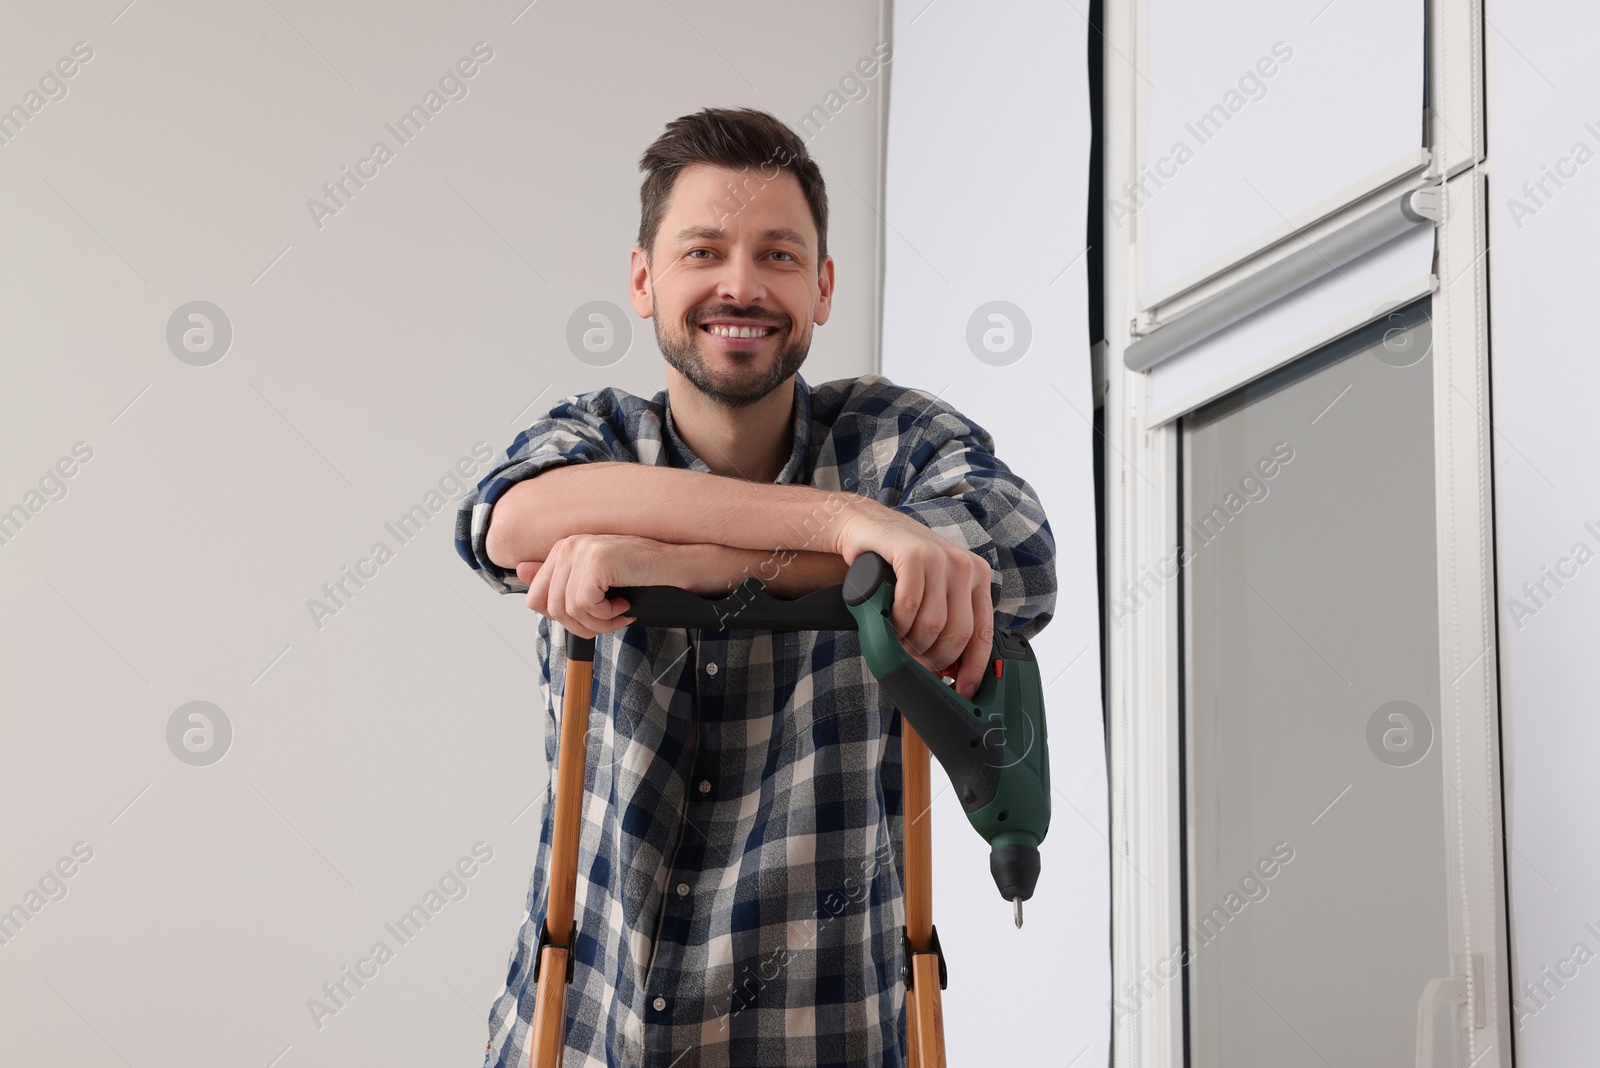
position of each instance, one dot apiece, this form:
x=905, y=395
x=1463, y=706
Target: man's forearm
x=664, y=503
x=712, y=570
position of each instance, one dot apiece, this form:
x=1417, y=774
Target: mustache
x=750, y=318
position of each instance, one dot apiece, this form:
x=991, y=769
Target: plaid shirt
x=739, y=874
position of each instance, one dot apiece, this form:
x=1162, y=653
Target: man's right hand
x=943, y=609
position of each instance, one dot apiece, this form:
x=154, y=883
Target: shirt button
x=711, y=669
x=660, y=1003
x=683, y=889
x=705, y=786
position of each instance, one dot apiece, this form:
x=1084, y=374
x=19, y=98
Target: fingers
x=568, y=592
x=560, y=567
x=908, y=600
x=957, y=636
x=931, y=615
x=975, y=658
x=944, y=626
x=538, y=588
x=588, y=605
x=944, y=615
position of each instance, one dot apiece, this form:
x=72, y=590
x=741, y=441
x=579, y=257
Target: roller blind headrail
x=1323, y=256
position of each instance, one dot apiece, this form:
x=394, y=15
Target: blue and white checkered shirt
x=739, y=874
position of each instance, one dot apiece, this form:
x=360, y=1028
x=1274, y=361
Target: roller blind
x=1258, y=116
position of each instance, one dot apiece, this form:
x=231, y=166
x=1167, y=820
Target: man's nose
x=740, y=282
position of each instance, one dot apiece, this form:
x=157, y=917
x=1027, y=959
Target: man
x=739, y=892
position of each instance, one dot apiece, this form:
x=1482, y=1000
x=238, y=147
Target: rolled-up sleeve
x=583, y=428
x=960, y=490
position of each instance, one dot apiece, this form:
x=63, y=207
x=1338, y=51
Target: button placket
x=704, y=785
x=665, y=959
x=665, y=956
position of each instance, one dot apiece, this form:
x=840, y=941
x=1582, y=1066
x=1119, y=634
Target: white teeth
x=740, y=331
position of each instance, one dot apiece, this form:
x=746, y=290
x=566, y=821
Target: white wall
x=1543, y=115
x=367, y=356
x=987, y=186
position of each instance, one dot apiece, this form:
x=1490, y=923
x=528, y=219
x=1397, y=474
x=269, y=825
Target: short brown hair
x=737, y=138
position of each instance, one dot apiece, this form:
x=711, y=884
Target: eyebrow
x=714, y=233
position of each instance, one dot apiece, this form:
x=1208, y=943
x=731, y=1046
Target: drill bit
x=1017, y=902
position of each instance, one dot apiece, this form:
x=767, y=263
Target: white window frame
x=1142, y=495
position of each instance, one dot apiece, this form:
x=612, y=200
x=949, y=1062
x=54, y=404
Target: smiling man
x=739, y=873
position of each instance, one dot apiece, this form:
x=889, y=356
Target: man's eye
x=780, y=252
x=694, y=250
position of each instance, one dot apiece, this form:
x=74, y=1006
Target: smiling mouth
x=752, y=332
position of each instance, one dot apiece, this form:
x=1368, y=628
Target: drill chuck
x=1015, y=869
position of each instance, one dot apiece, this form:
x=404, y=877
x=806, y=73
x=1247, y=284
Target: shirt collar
x=793, y=472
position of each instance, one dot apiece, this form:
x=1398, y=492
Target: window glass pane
x=1317, y=896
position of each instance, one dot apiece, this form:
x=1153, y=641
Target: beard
x=740, y=387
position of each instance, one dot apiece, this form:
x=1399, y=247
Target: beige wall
x=207, y=505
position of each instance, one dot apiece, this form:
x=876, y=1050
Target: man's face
x=736, y=253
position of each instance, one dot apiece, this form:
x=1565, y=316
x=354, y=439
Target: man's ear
x=639, y=282
x=824, y=292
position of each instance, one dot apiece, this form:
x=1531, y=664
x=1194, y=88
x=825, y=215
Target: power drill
x=992, y=746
